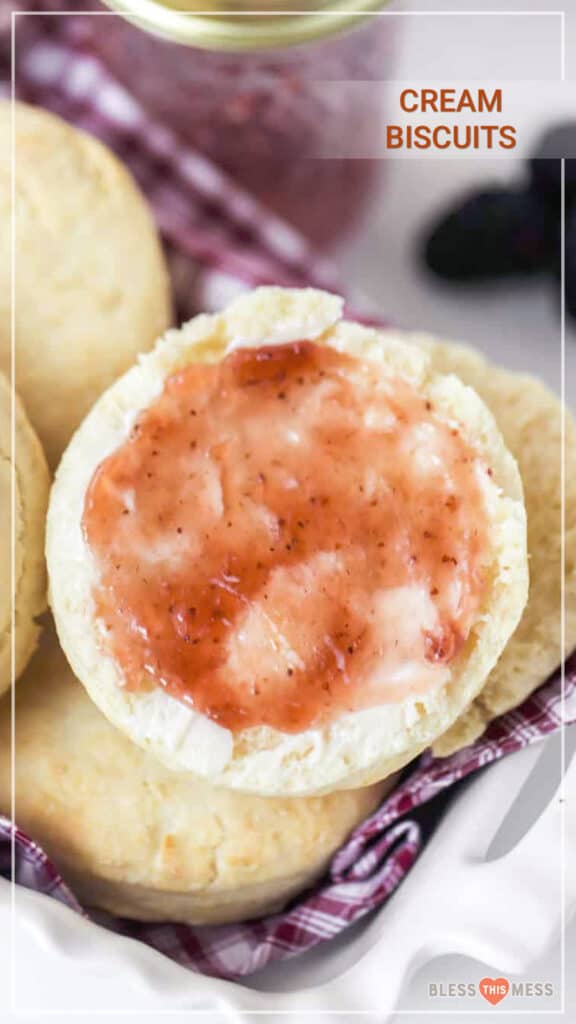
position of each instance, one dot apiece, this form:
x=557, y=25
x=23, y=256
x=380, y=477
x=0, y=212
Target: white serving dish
x=467, y=894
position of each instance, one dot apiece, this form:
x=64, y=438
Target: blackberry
x=544, y=165
x=492, y=233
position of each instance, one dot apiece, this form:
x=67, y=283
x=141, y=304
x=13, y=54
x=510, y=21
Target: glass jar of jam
x=264, y=96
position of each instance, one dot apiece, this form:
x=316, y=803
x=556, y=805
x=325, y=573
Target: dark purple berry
x=545, y=163
x=492, y=233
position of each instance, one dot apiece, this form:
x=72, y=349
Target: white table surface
x=515, y=324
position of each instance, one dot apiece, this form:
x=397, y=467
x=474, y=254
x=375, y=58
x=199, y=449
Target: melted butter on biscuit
x=286, y=536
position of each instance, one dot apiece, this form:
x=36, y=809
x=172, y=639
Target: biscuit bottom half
x=137, y=840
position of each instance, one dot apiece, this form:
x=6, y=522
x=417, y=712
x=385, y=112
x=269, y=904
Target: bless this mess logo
x=493, y=990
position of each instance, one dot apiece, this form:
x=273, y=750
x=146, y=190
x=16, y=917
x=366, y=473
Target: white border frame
x=12, y=274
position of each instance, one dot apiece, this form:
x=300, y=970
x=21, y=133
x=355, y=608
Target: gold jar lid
x=244, y=24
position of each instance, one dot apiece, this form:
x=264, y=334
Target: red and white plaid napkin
x=363, y=873
x=219, y=241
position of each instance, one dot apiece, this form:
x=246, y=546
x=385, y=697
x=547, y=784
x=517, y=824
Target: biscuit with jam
x=284, y=552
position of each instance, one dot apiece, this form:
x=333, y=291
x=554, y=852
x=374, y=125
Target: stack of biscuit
x=149, y=808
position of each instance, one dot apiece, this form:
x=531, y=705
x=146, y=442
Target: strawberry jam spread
x=285, y=536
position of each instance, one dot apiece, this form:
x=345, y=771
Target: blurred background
x=251, y=114
x=268, y=118
x=515, y=320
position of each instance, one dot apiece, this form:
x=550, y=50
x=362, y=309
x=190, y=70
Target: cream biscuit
x=24, y=487
x=90, y=281
x=353, y=632
x=139, y=841
x=530, y=418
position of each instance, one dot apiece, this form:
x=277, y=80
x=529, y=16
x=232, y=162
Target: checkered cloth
x=363, y=873
x=219, y=241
